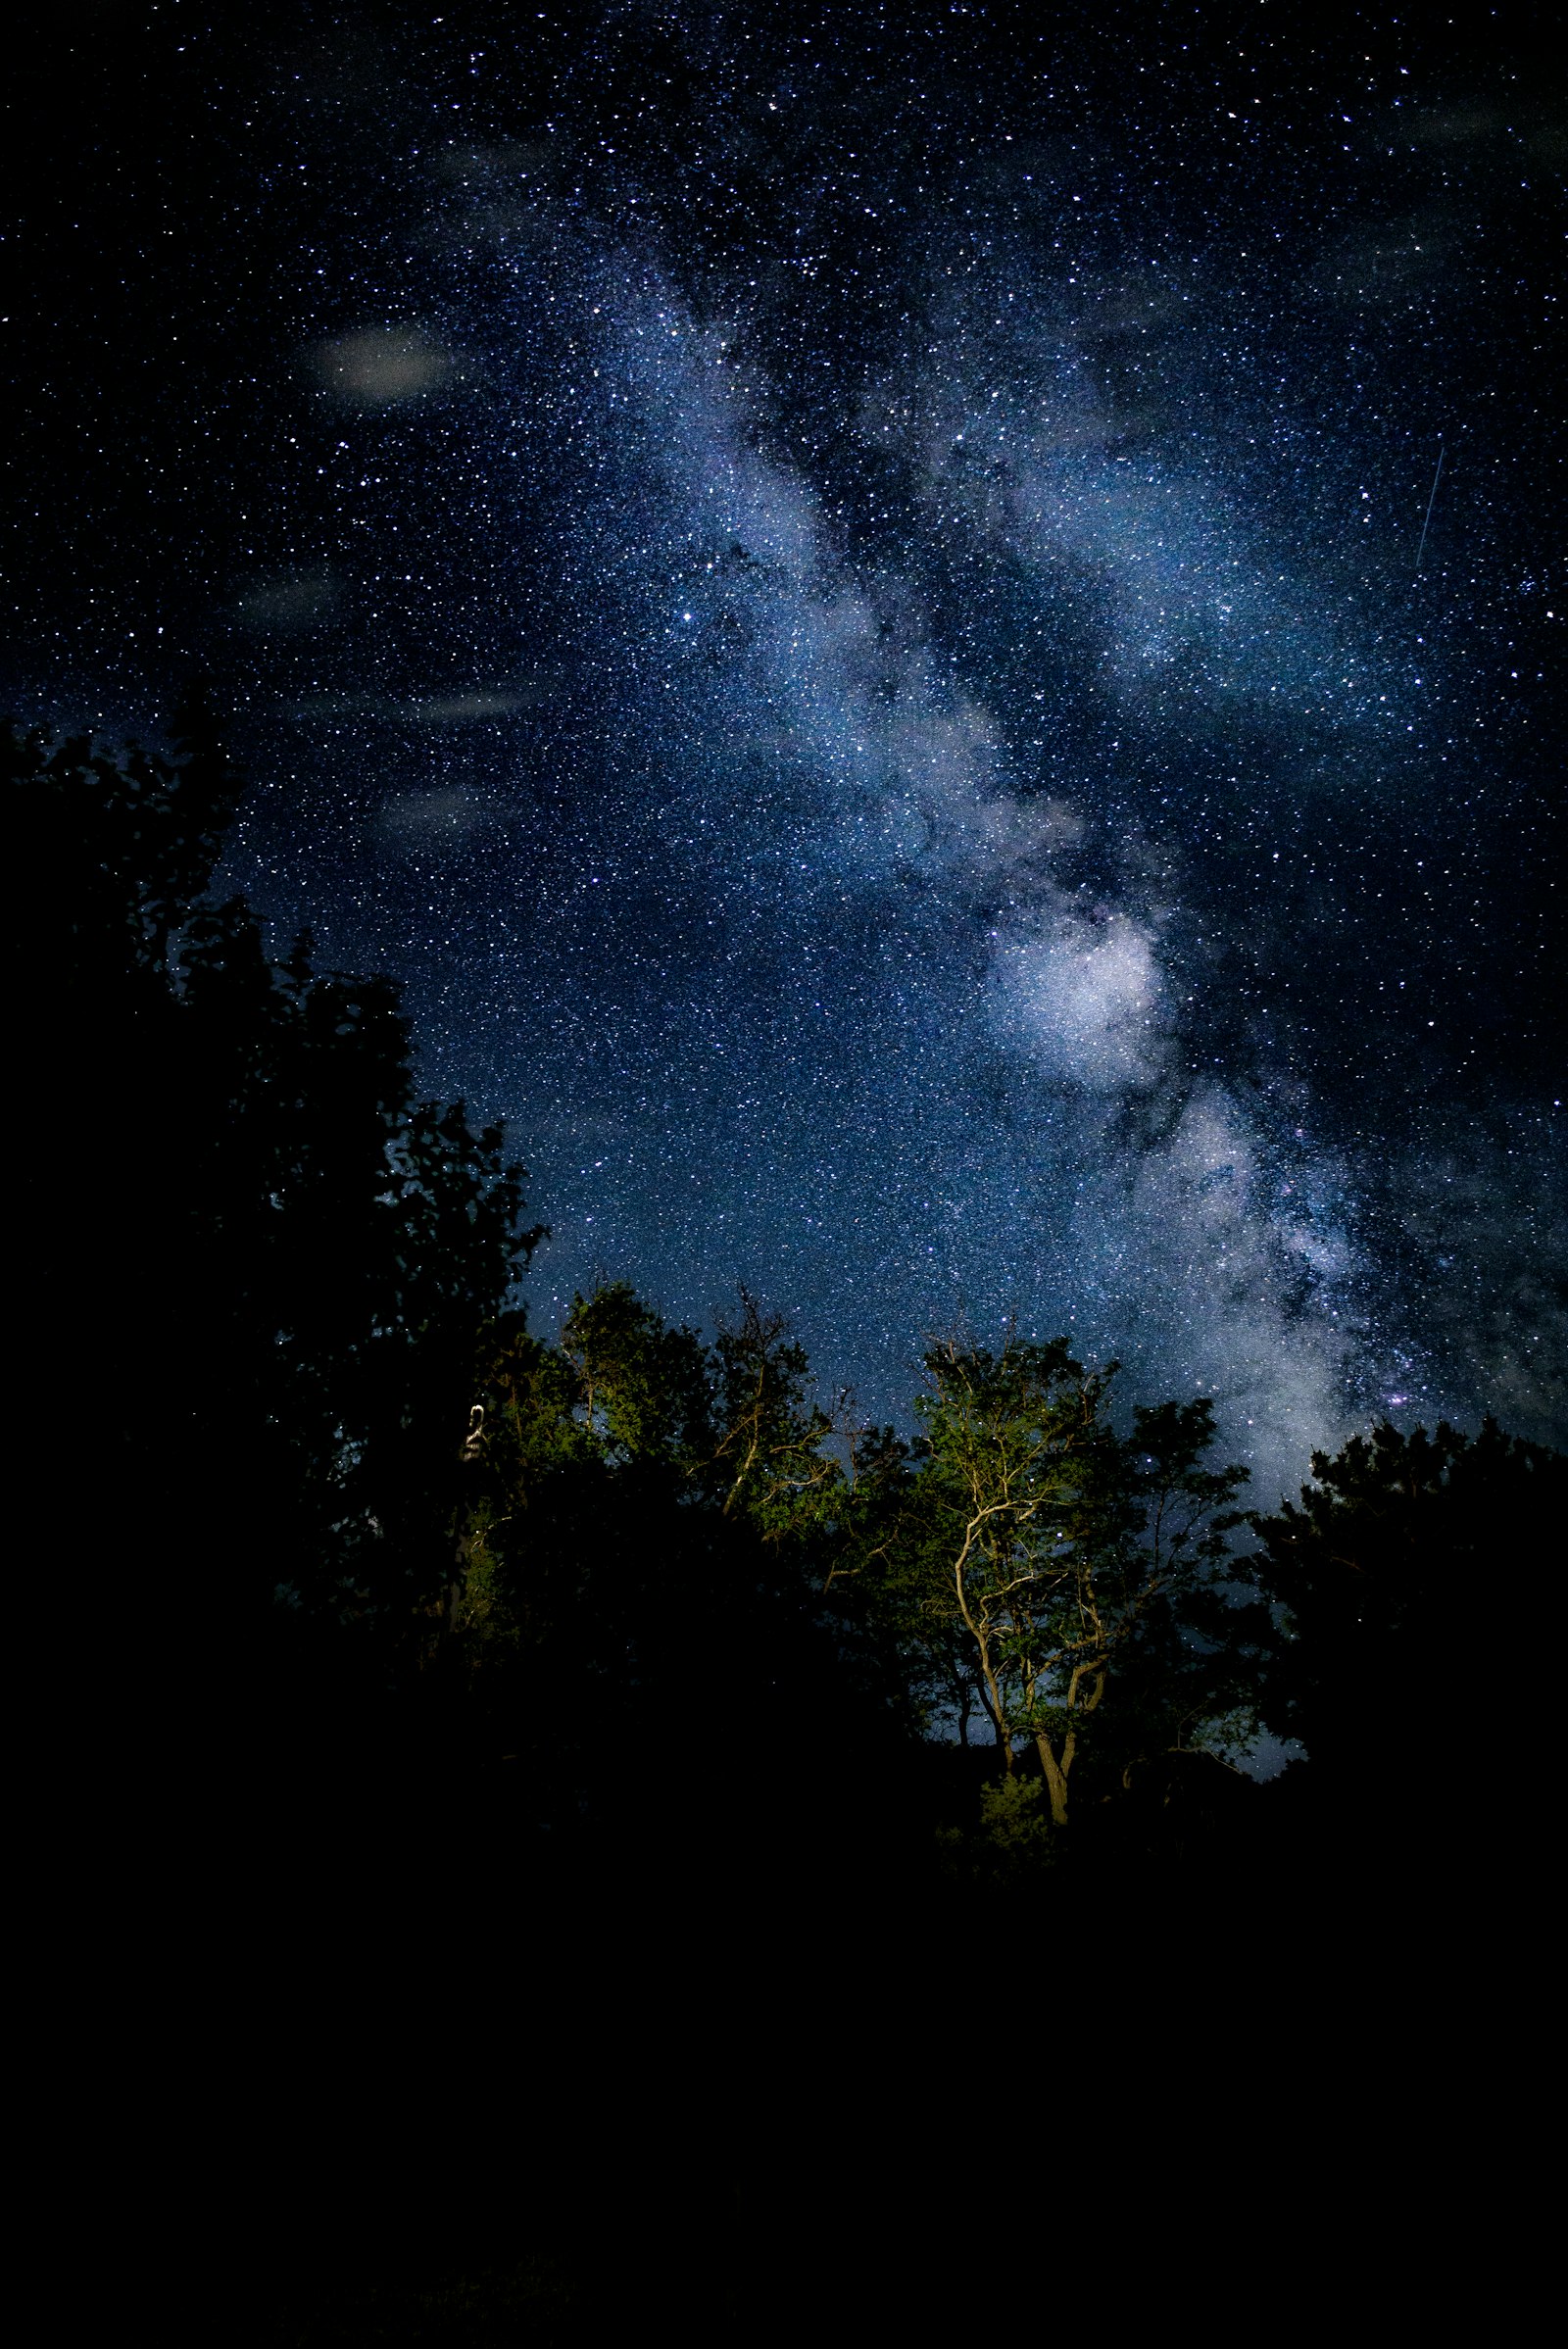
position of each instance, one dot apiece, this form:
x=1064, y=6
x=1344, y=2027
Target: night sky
x=841, y=597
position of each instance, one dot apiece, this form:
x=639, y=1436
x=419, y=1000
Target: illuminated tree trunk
x=1057, y=1768
x=979, y=1628
x=1055, y=1773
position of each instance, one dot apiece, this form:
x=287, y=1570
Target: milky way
x=842, y=606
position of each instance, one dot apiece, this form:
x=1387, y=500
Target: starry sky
x=923, y=635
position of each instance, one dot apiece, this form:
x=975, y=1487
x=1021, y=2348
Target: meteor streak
x=1435, y=479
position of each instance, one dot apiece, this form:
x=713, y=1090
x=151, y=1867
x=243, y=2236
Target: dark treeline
x=451, y=1638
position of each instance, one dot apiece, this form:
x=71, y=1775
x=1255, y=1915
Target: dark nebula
x=837, y=596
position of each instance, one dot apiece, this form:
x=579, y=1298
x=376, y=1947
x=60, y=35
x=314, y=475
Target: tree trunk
x=1055, y=1773
x=990, y=1685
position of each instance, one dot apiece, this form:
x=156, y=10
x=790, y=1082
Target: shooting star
x=1435, y=479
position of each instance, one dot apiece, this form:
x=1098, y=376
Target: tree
x=1042, y=1561
x=772, y=1459
x=1405, y=1563
x=654, y=1527
x=257, y=1264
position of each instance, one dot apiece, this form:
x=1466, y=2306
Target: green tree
x=644, y=1390
x=654, y=1527
x=772, y=1461
x=1072, y=1579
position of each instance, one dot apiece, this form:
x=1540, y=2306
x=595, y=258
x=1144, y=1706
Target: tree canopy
x=256, y=1263
x=1405, y=1553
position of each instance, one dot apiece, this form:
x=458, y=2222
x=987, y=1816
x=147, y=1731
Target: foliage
x=284, y=1255
x=117, y=848
x=651, y=1523
x=1038, y=1560
x=1398, y=1560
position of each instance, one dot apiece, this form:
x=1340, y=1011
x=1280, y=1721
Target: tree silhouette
x=1399, y=1577
x=255, y=1266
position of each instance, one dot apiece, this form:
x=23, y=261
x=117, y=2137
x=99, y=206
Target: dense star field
x=924, y=641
